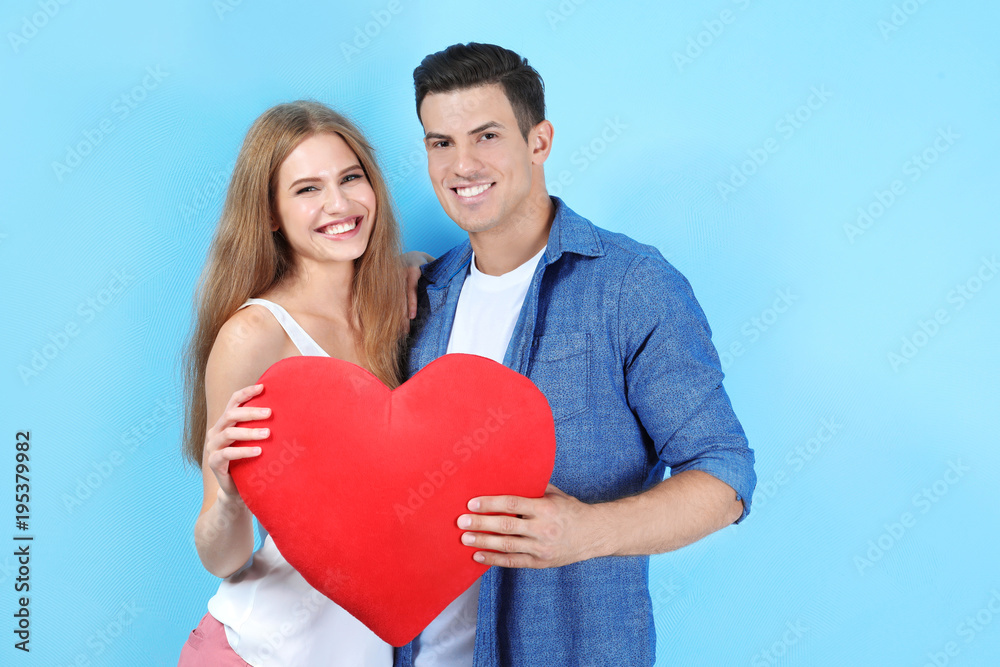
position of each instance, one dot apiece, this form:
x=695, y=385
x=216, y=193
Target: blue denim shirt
x=611, y=333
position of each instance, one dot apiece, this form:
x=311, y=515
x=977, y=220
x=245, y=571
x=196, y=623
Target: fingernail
x=265, y=412
x=257, y=450
x=478, y=557
x=464, y=521
x=468, y=538
x=474, y=504
x=263, y=432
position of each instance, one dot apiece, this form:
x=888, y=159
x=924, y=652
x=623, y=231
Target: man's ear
x=540, y=140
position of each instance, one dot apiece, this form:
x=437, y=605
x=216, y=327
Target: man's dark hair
x=470, y=65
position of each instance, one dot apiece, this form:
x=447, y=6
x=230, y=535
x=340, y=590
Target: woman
x=305, y=261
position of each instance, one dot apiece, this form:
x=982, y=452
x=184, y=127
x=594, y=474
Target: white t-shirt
x=488, y=308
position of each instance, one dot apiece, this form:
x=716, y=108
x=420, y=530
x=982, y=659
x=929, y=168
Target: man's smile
x=470, y=192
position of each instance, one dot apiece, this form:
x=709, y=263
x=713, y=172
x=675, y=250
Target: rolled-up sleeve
x=674, y=378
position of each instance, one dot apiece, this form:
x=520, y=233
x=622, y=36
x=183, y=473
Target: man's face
x=478, y=161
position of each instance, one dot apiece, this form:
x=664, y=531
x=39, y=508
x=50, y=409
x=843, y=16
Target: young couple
x=306, y=261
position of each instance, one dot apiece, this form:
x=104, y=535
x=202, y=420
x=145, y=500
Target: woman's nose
x=335, y=201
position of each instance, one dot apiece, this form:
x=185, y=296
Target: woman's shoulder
x=251, y=339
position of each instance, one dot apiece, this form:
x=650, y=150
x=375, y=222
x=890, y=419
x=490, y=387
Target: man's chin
x=473, y=225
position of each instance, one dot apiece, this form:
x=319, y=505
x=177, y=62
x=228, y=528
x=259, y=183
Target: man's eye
x=489, y=135
x=440, y=144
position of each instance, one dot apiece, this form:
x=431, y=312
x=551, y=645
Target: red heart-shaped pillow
x=361, y=487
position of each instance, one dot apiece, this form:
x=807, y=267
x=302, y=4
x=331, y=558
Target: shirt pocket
x=560, y=368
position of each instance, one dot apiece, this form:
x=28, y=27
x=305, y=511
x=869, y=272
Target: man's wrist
x=602, y=528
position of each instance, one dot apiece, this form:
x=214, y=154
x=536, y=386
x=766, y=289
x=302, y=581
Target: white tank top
x=273, y=617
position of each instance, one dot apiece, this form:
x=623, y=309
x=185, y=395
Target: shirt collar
x=570, y=233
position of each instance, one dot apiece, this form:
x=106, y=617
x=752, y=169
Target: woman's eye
x=352, y=177
x=306, y=189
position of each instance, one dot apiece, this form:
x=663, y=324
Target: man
x=613, y=336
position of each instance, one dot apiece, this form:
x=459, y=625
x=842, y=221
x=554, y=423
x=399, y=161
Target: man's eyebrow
x=482, y=128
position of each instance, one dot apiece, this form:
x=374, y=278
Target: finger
x=494, y=523
x=243, y=395
x=234, y=453
x=240, y=434
x=503, y=505
x=509, y=544
x=236, y=415
x=412, y=278
x=505, y=560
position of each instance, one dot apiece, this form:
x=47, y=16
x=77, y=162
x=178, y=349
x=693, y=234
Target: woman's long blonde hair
x=247, y=259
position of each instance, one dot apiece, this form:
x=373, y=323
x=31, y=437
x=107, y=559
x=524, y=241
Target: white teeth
x=341, y=228
x=472, y=192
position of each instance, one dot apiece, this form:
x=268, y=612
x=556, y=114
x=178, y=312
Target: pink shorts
x=207, y=646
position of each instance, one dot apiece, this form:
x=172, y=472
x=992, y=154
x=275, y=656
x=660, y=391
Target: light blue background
x=144, y=202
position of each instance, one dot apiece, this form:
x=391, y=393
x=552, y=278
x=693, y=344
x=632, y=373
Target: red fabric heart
x=361, y=487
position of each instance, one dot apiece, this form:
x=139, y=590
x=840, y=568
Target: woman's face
x=326, y=206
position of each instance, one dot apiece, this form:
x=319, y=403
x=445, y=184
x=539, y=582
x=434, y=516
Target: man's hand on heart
x=551, y=531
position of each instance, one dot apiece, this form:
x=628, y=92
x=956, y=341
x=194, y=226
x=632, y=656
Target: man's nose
x=467, y=162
